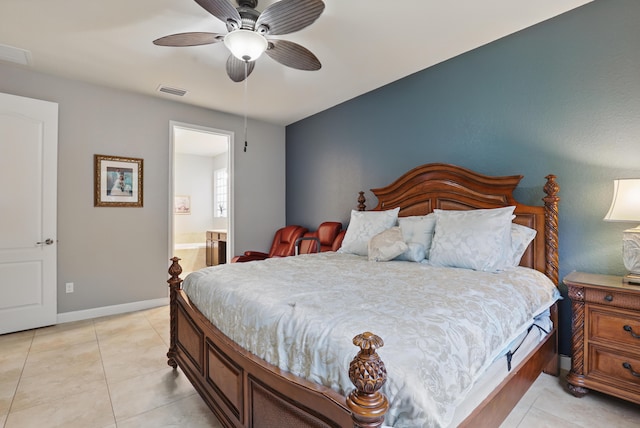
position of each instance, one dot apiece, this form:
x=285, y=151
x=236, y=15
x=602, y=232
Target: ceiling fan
x=249, y=32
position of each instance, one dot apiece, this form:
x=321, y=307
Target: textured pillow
x=363, y=226
x=415, y=253
x=521, y=237
x=418, y=229
x=474, y=239
x=387, y=245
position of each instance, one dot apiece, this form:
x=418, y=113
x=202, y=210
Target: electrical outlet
x=69, y=287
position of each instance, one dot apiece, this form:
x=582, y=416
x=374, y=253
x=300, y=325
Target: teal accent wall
x=561, y=97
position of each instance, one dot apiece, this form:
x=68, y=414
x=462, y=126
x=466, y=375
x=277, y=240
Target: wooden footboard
x=245, y=391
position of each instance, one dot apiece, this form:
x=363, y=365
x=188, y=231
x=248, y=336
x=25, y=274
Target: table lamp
x=625, y=206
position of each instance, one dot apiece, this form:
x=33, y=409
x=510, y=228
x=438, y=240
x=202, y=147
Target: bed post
x=367, y=372
x=551, y=227
x=174, y=285
x=361, y=201
x=551, y=188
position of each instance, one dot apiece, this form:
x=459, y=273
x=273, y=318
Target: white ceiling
x=199, y=143
x=362, y=44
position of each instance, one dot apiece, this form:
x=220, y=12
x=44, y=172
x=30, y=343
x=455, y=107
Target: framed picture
x=117, y=181
x=182, y=205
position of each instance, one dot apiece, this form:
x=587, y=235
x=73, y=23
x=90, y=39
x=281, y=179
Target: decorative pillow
x=474, y=239
x=387, y=245
x=363, y=226
x=521, y=237
x=415, y=253
x=418, y=229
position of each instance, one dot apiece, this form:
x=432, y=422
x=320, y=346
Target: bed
x=244, y=390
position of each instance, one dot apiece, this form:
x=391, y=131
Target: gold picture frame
x=117, y=181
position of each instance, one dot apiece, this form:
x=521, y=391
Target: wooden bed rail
x=367, y=372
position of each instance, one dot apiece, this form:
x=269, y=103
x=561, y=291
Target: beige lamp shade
x=625, y=206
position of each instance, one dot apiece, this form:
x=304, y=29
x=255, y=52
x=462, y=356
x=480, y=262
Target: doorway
x=201, y=196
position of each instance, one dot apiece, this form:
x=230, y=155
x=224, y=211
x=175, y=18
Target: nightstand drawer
x=608, y=364
x=610, y=325
x=612, y=298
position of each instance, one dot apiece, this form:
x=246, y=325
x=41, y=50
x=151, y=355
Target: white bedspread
x=441, y=326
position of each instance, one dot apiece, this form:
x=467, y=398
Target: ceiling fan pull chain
x=246, y=65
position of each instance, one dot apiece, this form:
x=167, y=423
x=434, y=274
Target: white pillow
x=521, y=237
x=415, y=253
x=418, y=229
x=363, y=226
x=474, y=239
x=387, y=245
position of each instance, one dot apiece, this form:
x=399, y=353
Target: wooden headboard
x=450, y=187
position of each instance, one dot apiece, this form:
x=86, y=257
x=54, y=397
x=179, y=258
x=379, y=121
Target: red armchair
x=325, y=235
x=284, y=243
x=337, y=243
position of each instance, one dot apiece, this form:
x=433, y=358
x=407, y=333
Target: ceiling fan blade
x=287, y=16
x=189, y=39
x=221, y=9
x=235, y=68
x=293, y=55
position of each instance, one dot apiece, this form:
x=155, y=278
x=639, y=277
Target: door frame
x=230, y=162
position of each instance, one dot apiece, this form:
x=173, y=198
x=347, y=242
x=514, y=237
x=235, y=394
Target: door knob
x=48, y=241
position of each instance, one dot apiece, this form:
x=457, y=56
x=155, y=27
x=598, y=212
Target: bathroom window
x=220, y=192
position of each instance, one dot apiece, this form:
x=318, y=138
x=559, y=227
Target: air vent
x=17, y=55
x=172, y=91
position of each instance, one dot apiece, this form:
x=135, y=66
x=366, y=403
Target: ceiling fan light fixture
x=249, y=33
x=246, y=45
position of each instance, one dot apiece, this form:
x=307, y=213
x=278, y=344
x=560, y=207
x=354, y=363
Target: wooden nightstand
x=606, y=335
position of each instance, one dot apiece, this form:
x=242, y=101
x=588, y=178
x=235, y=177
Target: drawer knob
x=630, y=330
x=608, y=298
x=628, y=367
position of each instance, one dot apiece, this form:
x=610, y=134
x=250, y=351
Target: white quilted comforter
x=441, y=326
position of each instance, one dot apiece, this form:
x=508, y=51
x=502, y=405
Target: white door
x=28, y=177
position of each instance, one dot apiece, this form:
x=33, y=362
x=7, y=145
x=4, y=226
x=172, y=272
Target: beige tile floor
x=112, y=372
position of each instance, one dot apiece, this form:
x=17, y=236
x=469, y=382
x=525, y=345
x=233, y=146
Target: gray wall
x=119, y=255
x=562, y=97
x=194, y=178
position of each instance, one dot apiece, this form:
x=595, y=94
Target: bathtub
x=193, y=255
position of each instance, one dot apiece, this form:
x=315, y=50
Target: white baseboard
x=565, y=362
x=111, y=310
